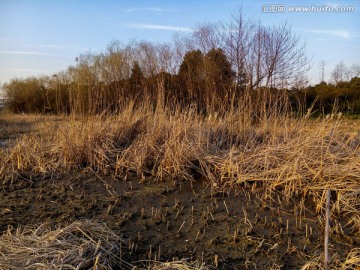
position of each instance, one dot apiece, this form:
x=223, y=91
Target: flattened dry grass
x=13, y=125
x=90, y=245
x=80, y=245
x=351, y=262
x=295, y=156
x=176, y=265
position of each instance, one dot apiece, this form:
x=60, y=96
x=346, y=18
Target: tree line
x=210, y=69
x=325, y=97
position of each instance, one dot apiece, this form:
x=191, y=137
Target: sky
x=42, y=37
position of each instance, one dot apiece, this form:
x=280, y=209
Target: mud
x=237, y=228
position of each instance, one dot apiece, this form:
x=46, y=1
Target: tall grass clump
x=257, y=141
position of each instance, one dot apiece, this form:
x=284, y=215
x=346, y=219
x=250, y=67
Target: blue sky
x=39, y=37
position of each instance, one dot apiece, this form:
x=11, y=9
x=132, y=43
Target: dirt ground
x=227, y=229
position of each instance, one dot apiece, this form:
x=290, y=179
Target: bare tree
x=206, y=36
x=354, y=71
x=179, y=49
x=322, y=70
x=301, y=82
x=116, y=62
x=286, y=59
x=339, y=73
x=166, y=55
x=272, y=56
x=237, y=43
x=146, y=55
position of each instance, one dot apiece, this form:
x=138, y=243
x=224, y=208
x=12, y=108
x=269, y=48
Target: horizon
x=50, y=35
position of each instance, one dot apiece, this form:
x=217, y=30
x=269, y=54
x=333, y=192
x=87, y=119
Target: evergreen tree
x=220, y=70
x=191, y=75
x=136, y=79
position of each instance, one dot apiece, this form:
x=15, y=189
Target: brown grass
x=80, y=245
x=90, y=245
x=176, y=265
x=299, y=157
x=351, y=262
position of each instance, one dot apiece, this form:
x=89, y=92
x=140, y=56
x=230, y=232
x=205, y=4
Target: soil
x=237, y=228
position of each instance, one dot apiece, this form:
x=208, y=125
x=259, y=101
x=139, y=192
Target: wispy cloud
x=337, y=33
x=341, y=33
x=28, y=53
x=159, y=27
x=22, y=69
x=152, y=9
x=53, y=47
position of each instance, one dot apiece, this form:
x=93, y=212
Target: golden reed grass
x=294, y=155
x=91, y=245
x=300, y=157
x=79, y=245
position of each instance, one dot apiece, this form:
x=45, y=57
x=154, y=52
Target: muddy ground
x=227, y=229
x=237, y=228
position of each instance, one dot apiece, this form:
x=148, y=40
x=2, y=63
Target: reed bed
x=297, y=156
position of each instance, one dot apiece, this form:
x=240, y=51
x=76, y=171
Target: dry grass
x=351, y=262
x=80, y=245
x=297, y=156
x=15, y=124
x=176, y=265
x=90, y=245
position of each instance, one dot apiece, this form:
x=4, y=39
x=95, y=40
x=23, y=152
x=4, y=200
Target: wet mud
x=233, y=228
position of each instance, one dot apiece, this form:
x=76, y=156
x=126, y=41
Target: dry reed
x=80, y=245
x=91, y=245
x=176, y=265
x=351, y=262
x=297, y=156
